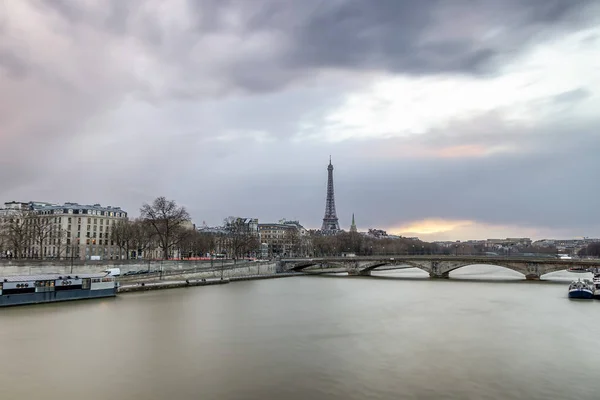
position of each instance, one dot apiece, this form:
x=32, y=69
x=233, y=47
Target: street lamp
x=72, y=255
x=222, y=267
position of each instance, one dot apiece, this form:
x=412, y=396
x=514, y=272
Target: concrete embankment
x=210, y=269
x=255, y=277
x=143, y=286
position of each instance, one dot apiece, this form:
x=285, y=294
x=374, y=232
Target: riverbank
x=144, y=285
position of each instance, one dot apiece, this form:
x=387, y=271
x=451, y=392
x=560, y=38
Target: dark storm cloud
x=400, y=36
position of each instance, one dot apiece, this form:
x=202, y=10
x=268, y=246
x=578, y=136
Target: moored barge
x=34, y=289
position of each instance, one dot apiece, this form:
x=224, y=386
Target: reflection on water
x=308, y=338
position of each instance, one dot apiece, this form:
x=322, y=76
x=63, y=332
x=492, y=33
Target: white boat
x=596, y=283
x=581, y=289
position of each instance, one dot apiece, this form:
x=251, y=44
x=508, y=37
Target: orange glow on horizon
x=429, y=226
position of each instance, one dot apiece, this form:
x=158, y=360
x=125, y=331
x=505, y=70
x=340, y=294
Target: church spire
x=353, y=226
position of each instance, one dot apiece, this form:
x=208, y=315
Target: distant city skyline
x=425, y=236
x=446, y=120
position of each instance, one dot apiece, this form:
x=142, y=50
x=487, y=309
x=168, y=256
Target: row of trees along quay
x=164, y=231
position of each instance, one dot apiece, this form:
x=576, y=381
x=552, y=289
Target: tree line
x=591, y=250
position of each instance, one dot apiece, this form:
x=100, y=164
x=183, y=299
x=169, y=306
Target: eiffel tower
x=330, y=225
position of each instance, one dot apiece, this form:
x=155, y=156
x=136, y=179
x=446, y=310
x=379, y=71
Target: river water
x=309, y=338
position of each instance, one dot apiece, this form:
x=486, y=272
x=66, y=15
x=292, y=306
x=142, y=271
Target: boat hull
x=580, y=294
x=52, y=297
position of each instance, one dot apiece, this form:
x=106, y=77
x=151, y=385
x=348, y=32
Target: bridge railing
x=392, y=257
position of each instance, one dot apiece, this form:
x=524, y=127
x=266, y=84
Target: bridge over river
x=437, y=266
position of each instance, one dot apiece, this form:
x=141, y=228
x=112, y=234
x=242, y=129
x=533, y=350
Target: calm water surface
x=309, y=338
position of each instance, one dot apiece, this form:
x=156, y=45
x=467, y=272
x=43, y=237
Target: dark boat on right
x=581, y=289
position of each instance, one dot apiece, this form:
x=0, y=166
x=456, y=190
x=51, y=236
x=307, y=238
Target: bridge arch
x=301, y=266
x=444, y=268
x=400, y=264
x=521, y=270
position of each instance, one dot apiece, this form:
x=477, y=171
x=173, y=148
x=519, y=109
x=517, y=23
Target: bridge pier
x=357, y=272
x=439, y=276
x=532, y=277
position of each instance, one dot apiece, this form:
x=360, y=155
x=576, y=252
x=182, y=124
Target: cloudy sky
x=444, y=119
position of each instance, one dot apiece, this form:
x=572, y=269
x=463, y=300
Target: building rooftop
x=76, y=207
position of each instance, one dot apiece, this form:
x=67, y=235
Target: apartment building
x=68, y=230
x=283, y=239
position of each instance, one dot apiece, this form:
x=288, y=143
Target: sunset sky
x=447, y=120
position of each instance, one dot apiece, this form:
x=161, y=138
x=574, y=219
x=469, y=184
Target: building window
x=95, y=220
x=69, y=220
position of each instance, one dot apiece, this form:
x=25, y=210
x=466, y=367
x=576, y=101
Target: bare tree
x=142, y=235
x=16, y=232
x=168, y=221
x=41, y=228
x=241, y=240
x=591, y=250
x=121, y=233
x=292, y=241
x=61, y=242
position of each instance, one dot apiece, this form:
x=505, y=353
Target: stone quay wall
x=253, y=269
x=40, y=267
